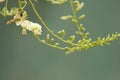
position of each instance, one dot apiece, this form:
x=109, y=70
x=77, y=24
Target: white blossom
x=25, y=24
x=30, y=26
x=36, y=28
x=18, y=23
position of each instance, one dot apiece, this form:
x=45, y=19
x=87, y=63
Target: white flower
x=37, y=32
x=28, y=25
x=37, y=29
x=25, y=24
x=18, y=23
x=36, y=26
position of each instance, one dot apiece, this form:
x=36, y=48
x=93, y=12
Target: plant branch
x=47, y=26
x=74, y=14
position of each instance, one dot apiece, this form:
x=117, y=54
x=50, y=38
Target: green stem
x=40, y=40
x=6, y=4
x=22, y=5
x=47, y=26
x=74, y=14
x=19, y=4
x=25, y=3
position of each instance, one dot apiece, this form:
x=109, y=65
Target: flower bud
x=71, y=38
x=57, y=44
x=74, y=20
x=24, y=31
x=66, y=17
x=81, y=17
x=63, y=33
x=52, y=41
x=80, y=6
x=81, y=27
x=47, y=37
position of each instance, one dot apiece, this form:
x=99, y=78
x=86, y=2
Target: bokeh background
x=24, y=58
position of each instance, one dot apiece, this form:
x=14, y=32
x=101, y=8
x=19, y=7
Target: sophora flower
x=30, y=26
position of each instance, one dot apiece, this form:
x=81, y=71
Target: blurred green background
x=24, y=58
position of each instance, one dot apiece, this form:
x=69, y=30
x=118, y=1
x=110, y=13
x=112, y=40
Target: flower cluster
x=72, y=43
x=30, y=26
x=20, y=20
x=78, y=5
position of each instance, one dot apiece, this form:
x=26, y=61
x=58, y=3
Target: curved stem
x=47, y=26
x=61, y=48
x=23, y=4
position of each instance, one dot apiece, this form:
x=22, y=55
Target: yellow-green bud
x=47, y=37
x=74, y=20
x=57, y=44
x=71, y=38
x=66, y=17
x=80, y=6
x=81, y=17
x=52, y=41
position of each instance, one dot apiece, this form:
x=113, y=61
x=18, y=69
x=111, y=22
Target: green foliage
x=19, y=14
